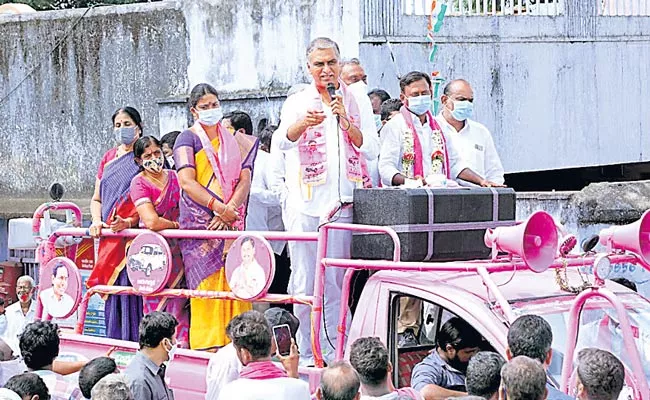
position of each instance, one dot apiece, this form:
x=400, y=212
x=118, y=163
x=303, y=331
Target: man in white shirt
x=259, y=378
x=328, y=143
x=413, y=146
x=56, y=302
x=265, y=201
x=21, y=313
x=473, y=140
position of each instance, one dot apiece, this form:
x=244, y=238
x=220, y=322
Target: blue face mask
x=378, y=124
x=125, y=135
x=462, y=110
x=420, y=105
x=210, y=117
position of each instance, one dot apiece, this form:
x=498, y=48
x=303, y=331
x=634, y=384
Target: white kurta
x=264, y=210
x=16, y=322
x=476, y=145
x=310, y=209
x=266, y=389
x=392, y=149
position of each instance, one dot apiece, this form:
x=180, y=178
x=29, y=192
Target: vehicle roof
x=515, y=286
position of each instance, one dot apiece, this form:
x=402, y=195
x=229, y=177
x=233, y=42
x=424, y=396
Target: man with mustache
x=442, y=373
x=328, y=140
x=21, y=313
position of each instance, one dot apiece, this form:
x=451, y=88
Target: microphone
x=331, y=90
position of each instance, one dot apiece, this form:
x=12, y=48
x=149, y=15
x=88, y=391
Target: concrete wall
x=57, y=125
x=556, y=92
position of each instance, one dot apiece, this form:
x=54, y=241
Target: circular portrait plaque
x=250, y=267
x=60, y=287
x=148, y=262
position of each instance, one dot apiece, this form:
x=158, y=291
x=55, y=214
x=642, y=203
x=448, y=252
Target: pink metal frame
x=628, y=338
x=481, y=267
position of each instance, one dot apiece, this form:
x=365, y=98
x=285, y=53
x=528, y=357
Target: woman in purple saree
x=215, y=169
x=111, y=207
x=156, y=193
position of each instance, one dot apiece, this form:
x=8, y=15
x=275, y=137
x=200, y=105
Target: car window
x=424, y=319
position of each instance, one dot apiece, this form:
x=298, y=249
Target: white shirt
x=52, y=306
x=247, y=281
x=476, y=145
x=266, y=389
x=392, y=147
x=223, y=368
x=264, y=211
x=324, y=197
x=16, y=322
x=361, y=89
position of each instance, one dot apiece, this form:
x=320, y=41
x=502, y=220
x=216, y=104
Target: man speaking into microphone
x=328, y=136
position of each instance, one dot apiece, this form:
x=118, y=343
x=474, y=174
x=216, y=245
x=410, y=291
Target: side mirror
x=56, y=191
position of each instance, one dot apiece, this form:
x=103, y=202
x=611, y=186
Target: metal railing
x=488, y=7
x=524, y=7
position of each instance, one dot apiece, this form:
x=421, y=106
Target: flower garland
x=408, y=156
x=438, y=155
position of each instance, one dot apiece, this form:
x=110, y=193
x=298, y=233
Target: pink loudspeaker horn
x=535, y=241
x=634, y=237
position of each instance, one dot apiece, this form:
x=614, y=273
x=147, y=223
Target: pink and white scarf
x=312, y=148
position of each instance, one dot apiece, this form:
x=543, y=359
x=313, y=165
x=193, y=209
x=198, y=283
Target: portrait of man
x=248, y=279
x=56, y=302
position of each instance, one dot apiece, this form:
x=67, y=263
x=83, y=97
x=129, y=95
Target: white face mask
x=171, y=353
x=210, y=117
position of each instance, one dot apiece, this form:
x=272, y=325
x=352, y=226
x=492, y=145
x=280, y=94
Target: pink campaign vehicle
x=530, y=272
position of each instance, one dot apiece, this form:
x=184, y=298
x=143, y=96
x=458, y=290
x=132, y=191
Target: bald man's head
x=339, y=382
x=458, y=100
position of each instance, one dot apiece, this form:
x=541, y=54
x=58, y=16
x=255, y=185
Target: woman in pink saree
x=156, y=193
x=215, y=170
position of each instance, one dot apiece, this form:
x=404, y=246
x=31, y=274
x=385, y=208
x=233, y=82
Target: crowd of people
x=251, y=367
x=334, y=136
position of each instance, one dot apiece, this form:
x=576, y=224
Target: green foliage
x=42, y=5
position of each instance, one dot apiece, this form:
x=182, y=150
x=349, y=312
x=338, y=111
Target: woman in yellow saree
x=215, y=170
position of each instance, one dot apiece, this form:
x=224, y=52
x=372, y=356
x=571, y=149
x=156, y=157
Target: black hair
x=266, y=135
x=626, y=282
x=141, y=145
x=240, y=120
x=2, y=301
x=132, y=113
x=199, y=91
x=56, y=268
x=369, y=357
x=248, y=239
x=381, y=93
x=601, y=373
x=28, y=385
x=412, y=77
x=389, y=106
x=483, y=376
x=530, y=336
x=39, y=344
x=155, y=327
x=524, y=379
x=170, y=139
x=343, y=384
x=459, y=334
x=92, y=372
x=251, y=331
